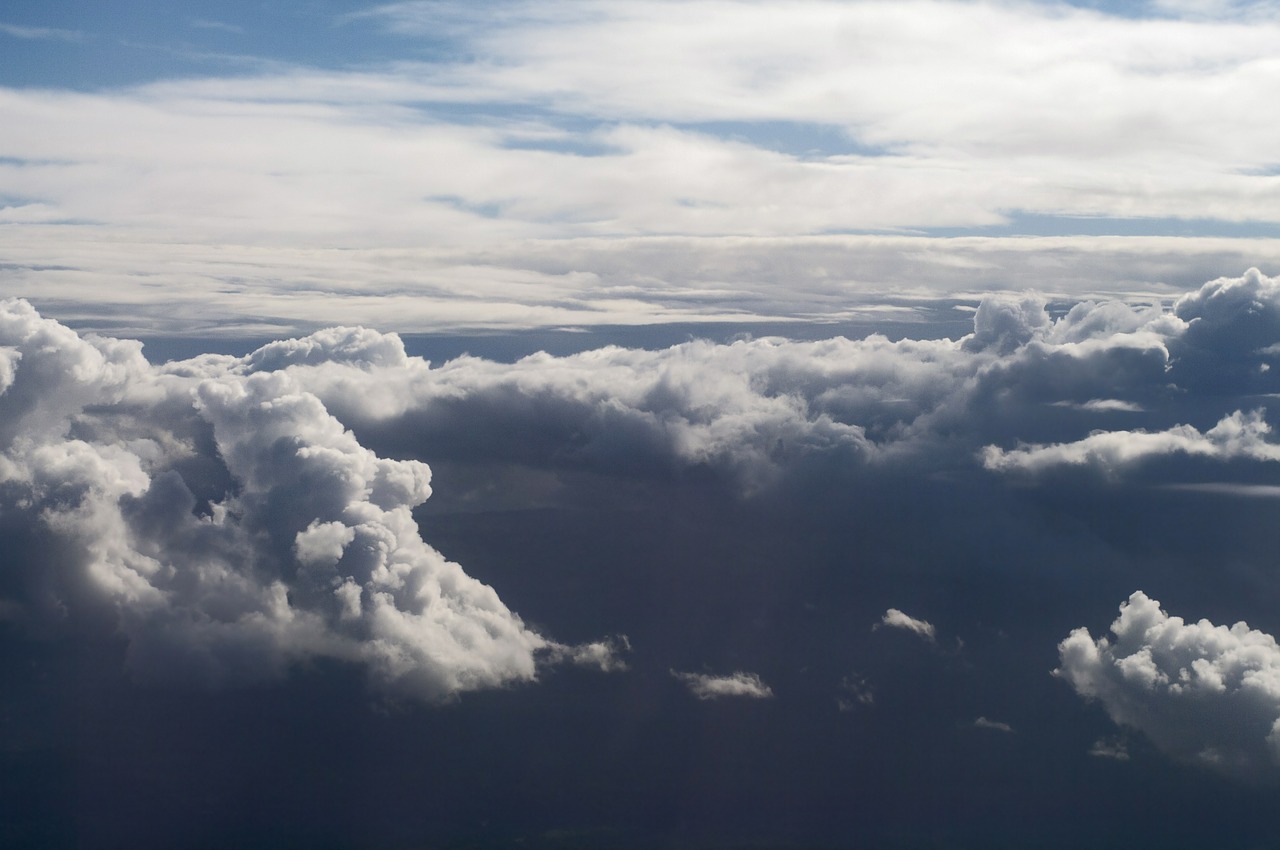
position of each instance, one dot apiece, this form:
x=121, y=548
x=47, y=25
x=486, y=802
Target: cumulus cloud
x=233, y=524
x=993, y=725
x=1231, y=327
x=1237, y=435
x=895, y=619
x=705, y=686
x=244, y=513
x=1203, y=692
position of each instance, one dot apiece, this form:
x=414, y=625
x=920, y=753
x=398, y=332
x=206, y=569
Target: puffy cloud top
x=234, y=524
x=1200, y=691
x=235, y=514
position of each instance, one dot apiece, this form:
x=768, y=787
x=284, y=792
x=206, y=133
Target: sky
x=715, y=424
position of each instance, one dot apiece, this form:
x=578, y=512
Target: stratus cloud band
x=574, y=161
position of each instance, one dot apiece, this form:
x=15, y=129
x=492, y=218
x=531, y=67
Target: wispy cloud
x=205, y=24
x=993, y=725
x=705, y=686
x=39, y=33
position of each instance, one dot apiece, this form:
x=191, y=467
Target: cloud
x=857, y=691
x=895, y=619
x=603, y=655
x=242, y=514
x=627, y=127
x=205, y=24
x=1231, y=322
x=234, y=526
x=1202, y=692
x=1237, y=435
x=1110, y=748
x=40, y=33
x=994, y=725
x=1021, y=393
x=705, y=686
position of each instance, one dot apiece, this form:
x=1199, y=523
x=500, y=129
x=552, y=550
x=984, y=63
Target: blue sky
x=430, y=165
x=92, y=45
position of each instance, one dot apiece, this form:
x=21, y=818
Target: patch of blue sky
x=801, y=139
x=567, y=145
x=529, y=127
x=1166, y=9
x=124, y=42
x=483, y=210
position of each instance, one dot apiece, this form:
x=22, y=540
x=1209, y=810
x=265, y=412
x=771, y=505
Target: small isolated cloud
x=994, y=725
x=1102, y=405
x=1201, y=692
x=1110, y=748
x=705, y=686
x=856, y=691
x=895, y=619
x=204, y=24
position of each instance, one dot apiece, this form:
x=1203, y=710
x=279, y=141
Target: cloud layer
x=631, y=162
x=239, y=515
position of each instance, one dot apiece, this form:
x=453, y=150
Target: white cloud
x=221, y=26
x=993, y=725
x=40, y=33
x=705, y=686
x=235, y=526
x=251, y=289
x=233, y=512
x=368, y=187
x=895, y=619
x=1238, y=435
x=1200, y=691
x=603, y=655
